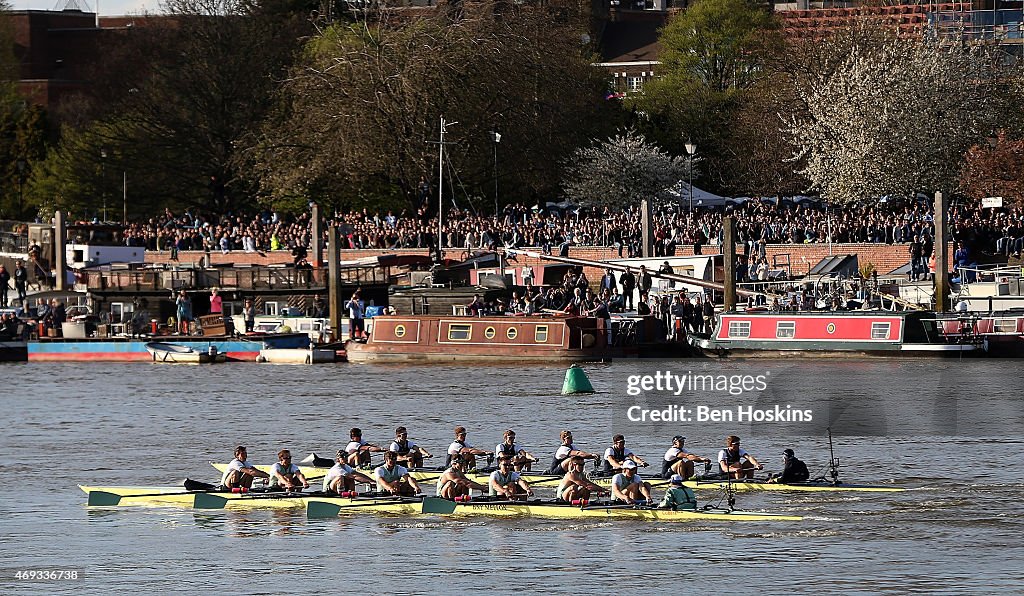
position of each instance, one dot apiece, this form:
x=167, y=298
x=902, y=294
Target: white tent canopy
x=701, y=197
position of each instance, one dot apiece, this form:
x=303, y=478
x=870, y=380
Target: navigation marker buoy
x=576, y=381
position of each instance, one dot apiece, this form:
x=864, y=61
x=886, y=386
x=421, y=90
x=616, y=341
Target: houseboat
x=543, y=338
x=123, y=349
x=1002, y=333
x=833, y=333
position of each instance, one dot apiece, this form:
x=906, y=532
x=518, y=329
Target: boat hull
x=134, y=350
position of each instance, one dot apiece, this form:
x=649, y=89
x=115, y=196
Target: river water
x=949, y=431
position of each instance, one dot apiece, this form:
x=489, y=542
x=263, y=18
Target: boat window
x=880, y=330
x=399, y=330
x=739, y=328
x=1005, y=326
x=512, y=333
x=460, y=332
x=785, y=329
x=489, y=333
x=270, y=309
x=541, y=334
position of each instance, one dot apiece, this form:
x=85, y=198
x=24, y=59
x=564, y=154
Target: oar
x=212, y=501
x=323, y=509
x=102, y=498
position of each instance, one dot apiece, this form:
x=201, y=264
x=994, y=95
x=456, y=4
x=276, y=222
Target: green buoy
x=576, y=381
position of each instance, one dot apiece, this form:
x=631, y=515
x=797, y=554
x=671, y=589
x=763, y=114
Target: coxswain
x=393, y=478
x=343, y=477
x=678, y=460
x=359, y=450
x=736, y=462
x=522, y=459
x=410, y=454
x=506, y=482
x=461, y=448
x=793, y=470
x=628, y=487
x=618, y=454
x=453, y=482
x=560, y=462
x=678, y=497
x=240, y=473
x=574, y=484
x=284, y=474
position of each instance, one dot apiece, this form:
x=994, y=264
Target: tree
x=621, y=171
x=891, y=116
x=995, y=170
x=358, y=111
x=713, y=53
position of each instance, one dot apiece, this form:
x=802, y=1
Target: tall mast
x=440, y=194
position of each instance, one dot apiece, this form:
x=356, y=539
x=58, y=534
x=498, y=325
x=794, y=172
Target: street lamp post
x=497, y=139
x=22, y=164
x=103, y=179
x=691, y=150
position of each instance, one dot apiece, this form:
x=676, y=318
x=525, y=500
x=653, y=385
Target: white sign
x=991, y=202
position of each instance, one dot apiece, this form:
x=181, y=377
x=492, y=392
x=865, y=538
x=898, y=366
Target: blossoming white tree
x=892, y=116
x=622, y=171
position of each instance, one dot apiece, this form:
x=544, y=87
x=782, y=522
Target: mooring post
x=729, y=262
x=941, y=249
x=334, y=283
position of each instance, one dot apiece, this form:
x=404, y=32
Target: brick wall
x=802, y=257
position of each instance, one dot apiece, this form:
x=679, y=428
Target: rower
x=410, y=454
x=793, y=469
x=394, y=478
x=560, y=462
x=359, y=450
x=506, y=482
x=678, y=497
x=678, y=460
x=627, y=486
x=574, y=484
x=285, y=474
x=461, y=448
x=343, y=477
x=521, y=458
x=736, y=462
x=618, y=454
x=240, y=473
x=453, y=482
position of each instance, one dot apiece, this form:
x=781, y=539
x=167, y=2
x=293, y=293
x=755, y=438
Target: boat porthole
x=512, y=333
x=831, y=328
x=489, y=333
x=399, y=330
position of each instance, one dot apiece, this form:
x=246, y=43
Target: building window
x=489, y=333
x=785, y=329
x=460, y=332
x=880, y=330
x=541, y=334
x=399, y=331
x=512, y=333
x=739, y=329
x=635, y=84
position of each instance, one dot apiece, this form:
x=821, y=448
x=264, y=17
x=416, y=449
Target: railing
x=254, y=279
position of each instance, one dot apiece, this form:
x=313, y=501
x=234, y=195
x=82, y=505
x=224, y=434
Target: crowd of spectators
x=759, y=223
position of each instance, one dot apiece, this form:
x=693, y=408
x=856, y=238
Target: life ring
x=589, y=340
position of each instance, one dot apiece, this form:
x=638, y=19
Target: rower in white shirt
x=343, y=477
x=618, y=454
x=521, y=458
x=461, y=448
x=560, y=461
x=240, y=473
x=394, y=478
x=628, y=487
x=359, y=450
x=506, y=482
x=410, y=454
x=284, y=474
x=678, y=460
x=736, y=462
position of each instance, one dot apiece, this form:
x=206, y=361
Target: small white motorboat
x=176, y=353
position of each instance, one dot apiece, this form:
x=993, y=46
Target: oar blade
x=209, y=501
x=438, y=505
x=102, y=498
x=321, y=509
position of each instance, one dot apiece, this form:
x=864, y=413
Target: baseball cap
x=677, y=480
x=679, y=438
x=789, y=453
x=629, y=465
